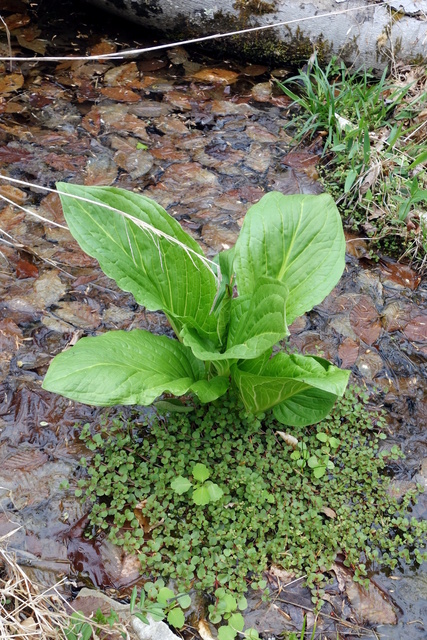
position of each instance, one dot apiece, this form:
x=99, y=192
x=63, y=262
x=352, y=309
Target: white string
x=134, y=52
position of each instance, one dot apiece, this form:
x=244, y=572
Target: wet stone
x=137, y=164
x=369, y=365
x=259, y=158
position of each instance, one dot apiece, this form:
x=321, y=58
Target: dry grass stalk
x=28, y=610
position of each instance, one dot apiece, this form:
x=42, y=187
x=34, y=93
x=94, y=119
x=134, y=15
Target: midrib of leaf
x=256, y=394
x=298, y=256
x=285, y=265
x=152, y=371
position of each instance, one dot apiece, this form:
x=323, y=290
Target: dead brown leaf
x=348, y=352
x=120, y=94
x=370, y=606
x=25, y=269
x=15, y=21
x=13, y=193
x=365, y=320
x=416, y=329
x=220, y=76
x=11, y=82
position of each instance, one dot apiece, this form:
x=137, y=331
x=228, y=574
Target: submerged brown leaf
x=220, y=76
x=11, y=82
x=370, y=605
x=365, y=320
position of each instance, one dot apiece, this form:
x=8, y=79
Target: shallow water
x=204, y=138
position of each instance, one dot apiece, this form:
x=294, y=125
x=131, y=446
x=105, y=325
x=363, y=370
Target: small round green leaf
x=201, y=496
x=322, y=436
x=215, y=492
x=237, y=621
x=180, y=485
x=176, y=617
x=184, y=600
x=226, y=633
x=164, y=595
x=201, y=472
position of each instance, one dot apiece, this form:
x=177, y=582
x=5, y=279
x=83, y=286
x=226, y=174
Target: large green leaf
x=302, y=389
x=257, y=322
x=296, y=239
x=161, y=275
x=133, y=367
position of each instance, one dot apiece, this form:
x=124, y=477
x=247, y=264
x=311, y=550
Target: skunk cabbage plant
x=228, y=314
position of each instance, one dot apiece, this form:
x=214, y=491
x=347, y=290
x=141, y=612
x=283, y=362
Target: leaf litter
x=162, y=125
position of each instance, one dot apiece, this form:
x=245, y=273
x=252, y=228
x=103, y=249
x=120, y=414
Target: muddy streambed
x=204, y=138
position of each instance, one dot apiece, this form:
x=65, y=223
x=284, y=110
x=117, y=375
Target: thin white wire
x=134, y=52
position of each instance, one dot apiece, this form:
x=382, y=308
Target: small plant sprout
x=204, y=492
x=227, y=609
x=160, y=603
x=288, y=257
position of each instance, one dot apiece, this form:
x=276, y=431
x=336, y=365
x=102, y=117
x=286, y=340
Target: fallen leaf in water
x=396, y=314
x=79, y=314
x=100, y=170
x=65, y=162
x=92, y=121
x=348, y=352
x=12, y=154
x=125, y=75
x=37, y=45
x=25, y=269
x=370, y=606
x=281, y=101
x=259, y=133
x=179, y=100
x=416, y=329
x=11, y=82
x=300, y=159
x=102, y=48
x=365, y=320
x=120, y=94
x=262, y=92
x=152, y=65
x=293, y=181
x=172, y=126
x=10, y=337
x=25, y=460
x=220, y=76
x=137, y=163
x=47, y=290
x=253, y=70
x=13, y=193
x=399, y=274
x=15, y=21
x=122, y=568
x=89, y=601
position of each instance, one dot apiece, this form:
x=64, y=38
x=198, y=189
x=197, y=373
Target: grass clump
x=270, y=510
x=373, y=133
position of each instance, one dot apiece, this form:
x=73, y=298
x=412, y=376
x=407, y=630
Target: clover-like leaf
x=200, y=472
x=236, y=621
x=201, y=495
x=215, y=492
x=226, y=633
x=176, y=617
x=181, y=485
x=165, y=593
x=184, y=600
